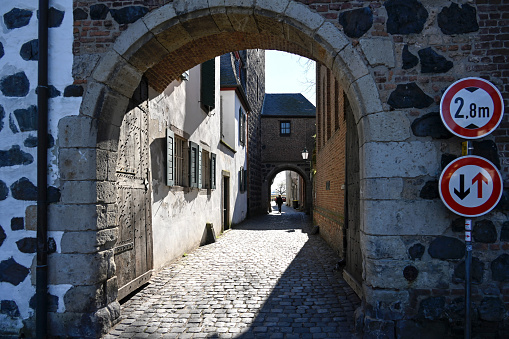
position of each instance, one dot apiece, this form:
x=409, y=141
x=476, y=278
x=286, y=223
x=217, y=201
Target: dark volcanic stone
x=55, y=17
x=416, y=251
x=73, y=91
x=458, y=225
x=446, y=160
x=409, y=60
x=405, y=16
x=500, y=268
x=492, y=309
x=15, y=156
x=98, y=12
x=503, y=204
x=477, y=271
x=16, y=85
x=52, y=246
x=432, y=62
x=27, y=118
x=430, y=190
x=23, y=189
x=356, y=22
x=27, y=245
x=2, y=116
x=52, y=92
x=430, y=125
x=446, y=248
x=80, y=14
x=17, y=224
x=53, y=194
x=4, y=191
x=129, y=14
x=431, y=308
x=32, y=141
x=456, y=20
x=410, y=273
x=1, y=50
x=409, y=95
x=17, y=18
x=52, y=302
x=484, y=231
x=488, y=150
x=2, y=235
x=9, y=308
x=30, y=50
x=12, y=272
x=504, y=233
x=12, y=125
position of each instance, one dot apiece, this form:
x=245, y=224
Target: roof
x=287, y=104
x=228, y=76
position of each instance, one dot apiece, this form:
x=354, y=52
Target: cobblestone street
x=266, y=278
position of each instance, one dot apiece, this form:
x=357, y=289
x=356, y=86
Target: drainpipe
x=41, y=274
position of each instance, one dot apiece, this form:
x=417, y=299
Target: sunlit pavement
x=266, y=278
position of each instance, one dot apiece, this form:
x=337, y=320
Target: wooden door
x=133, y=252
x=353, y=250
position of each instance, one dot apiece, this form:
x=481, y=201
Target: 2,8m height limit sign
x=471, y=108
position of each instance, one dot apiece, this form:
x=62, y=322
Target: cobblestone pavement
x=266, y=278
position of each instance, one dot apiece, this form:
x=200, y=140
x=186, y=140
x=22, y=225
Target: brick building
x=288, y=127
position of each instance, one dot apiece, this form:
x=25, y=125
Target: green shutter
x=198, y=168
x=193, y=164
x=170, y=175
x=208, y=84
x=244, y=179
x=212, y=171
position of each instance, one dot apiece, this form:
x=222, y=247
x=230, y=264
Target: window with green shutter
x=242, y=126
x=194, y=165
x=170, y=170
x=212, y=171
x=208, y=84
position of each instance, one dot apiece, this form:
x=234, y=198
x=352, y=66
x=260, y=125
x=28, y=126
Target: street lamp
x=304, y=154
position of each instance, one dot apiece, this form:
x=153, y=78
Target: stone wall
x=255, y=90
x=19, y=54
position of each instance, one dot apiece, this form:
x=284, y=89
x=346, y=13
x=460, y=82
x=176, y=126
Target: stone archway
x=162, y=45
x=267, y=181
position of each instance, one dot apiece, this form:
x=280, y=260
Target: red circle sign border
x=445, y=112
x=447, y=199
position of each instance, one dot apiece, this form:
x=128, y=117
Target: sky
x=289, y=73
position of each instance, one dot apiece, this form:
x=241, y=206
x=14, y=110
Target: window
x=242, y=180
x=212, y=171
x=242, y=126
x=208, y=85
x=194, y=165
x=285, y=128
x=175, y=163
x=205, y=169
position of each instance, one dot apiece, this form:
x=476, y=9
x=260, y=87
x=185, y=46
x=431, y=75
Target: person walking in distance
x=279, y=202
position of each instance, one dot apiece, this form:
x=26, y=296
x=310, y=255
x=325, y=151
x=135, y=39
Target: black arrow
x=462, y=194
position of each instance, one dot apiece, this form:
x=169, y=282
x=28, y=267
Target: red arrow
x=479, y=178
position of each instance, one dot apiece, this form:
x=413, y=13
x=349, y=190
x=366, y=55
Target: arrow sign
x=479, y=178
x=462, y=194
x=470, y=186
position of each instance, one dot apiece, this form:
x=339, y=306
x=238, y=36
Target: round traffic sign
x=470, y=186
x=471, y=108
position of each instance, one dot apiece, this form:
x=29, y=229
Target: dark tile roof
x=287, y=104
x=228, y=76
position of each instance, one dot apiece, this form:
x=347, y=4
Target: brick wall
x=280, y=149
x=329, y=180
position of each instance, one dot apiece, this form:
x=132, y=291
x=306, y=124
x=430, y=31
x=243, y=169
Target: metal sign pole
x=468, y=264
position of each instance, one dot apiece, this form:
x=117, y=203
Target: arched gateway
x=405, y=235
